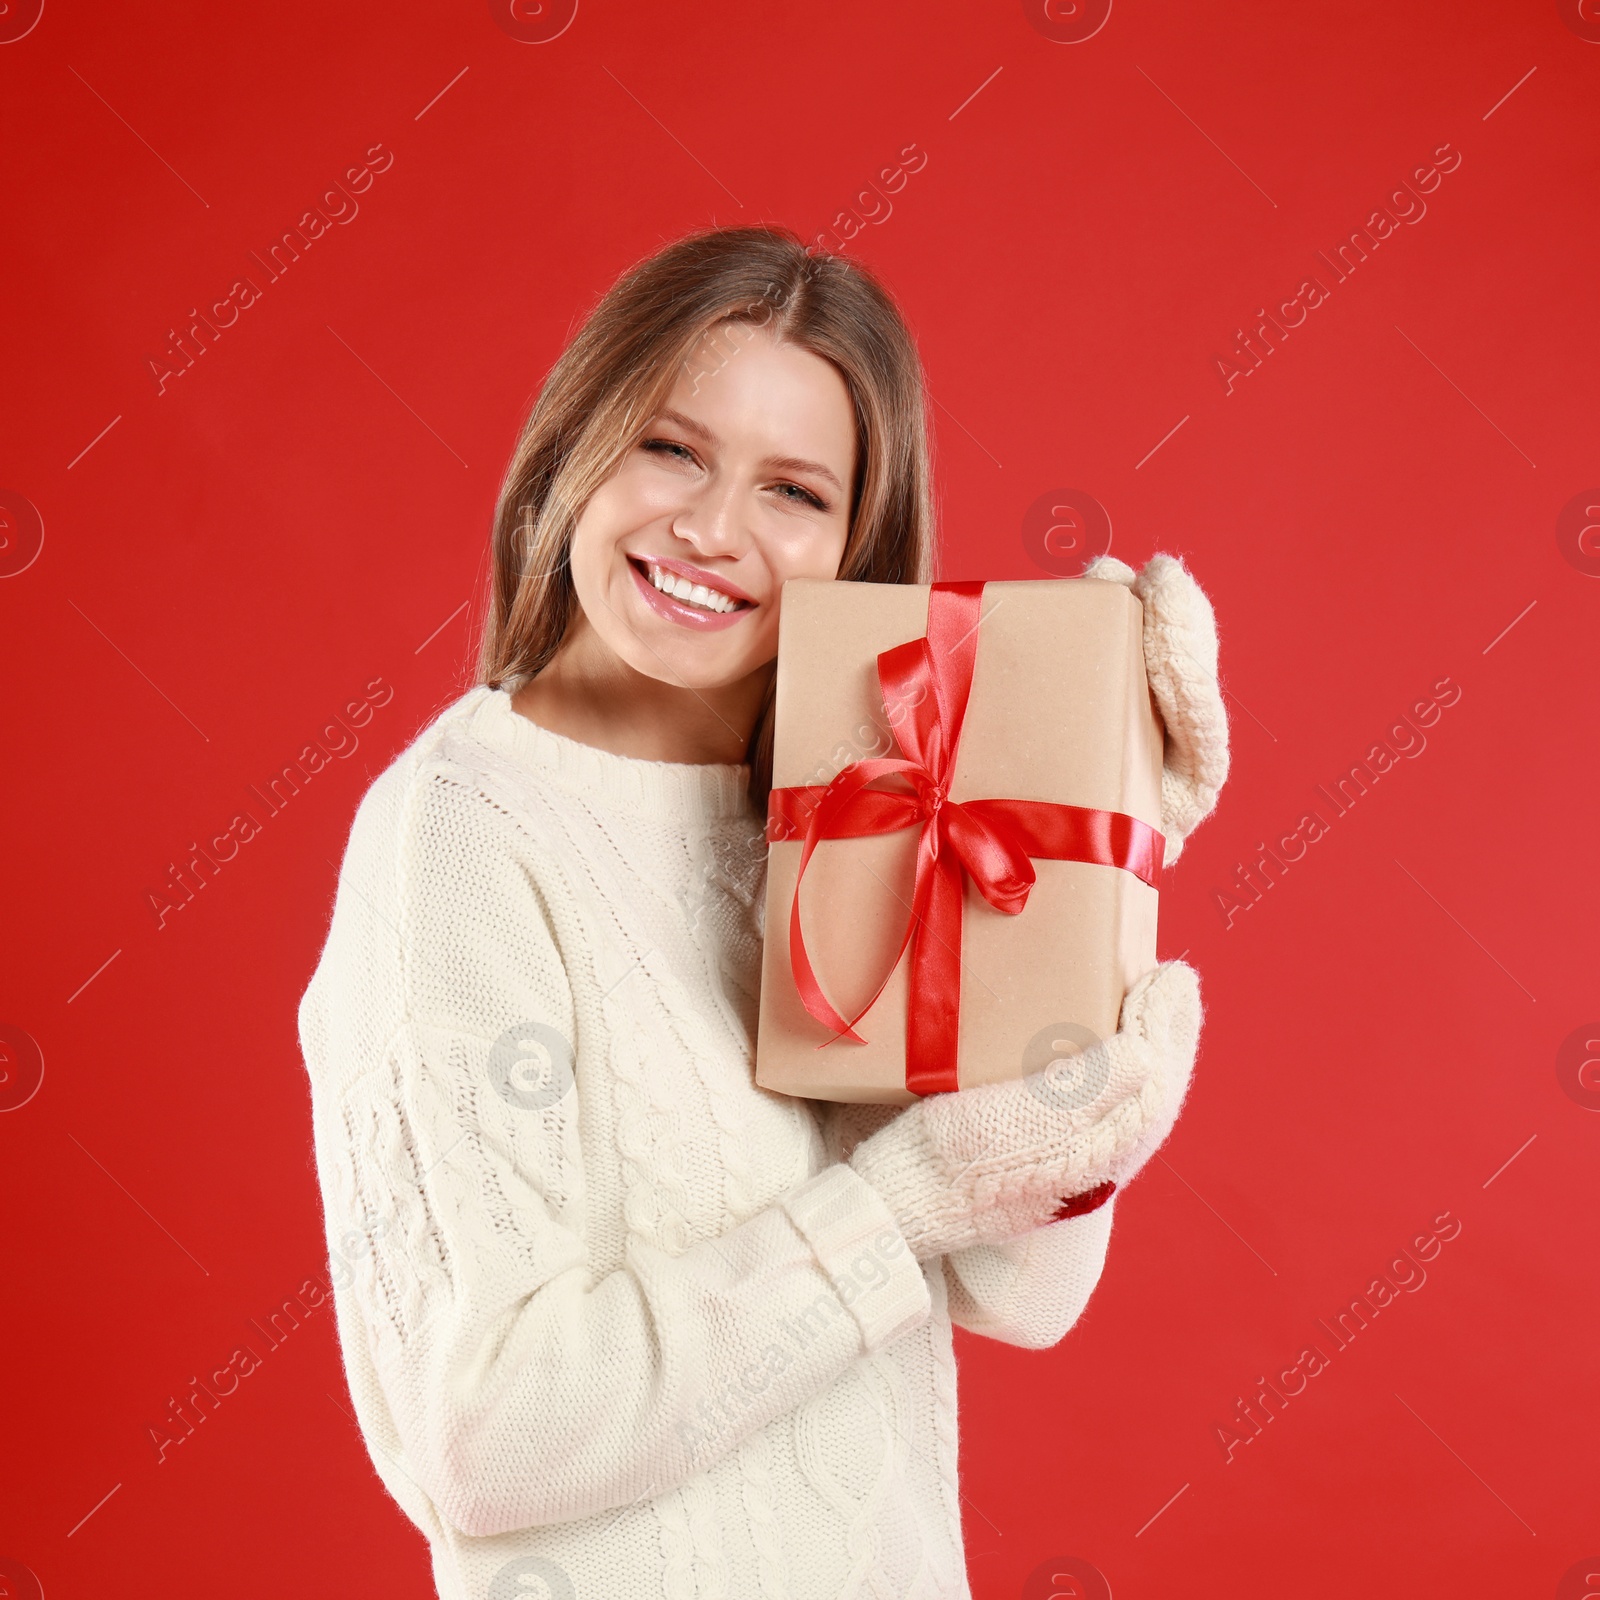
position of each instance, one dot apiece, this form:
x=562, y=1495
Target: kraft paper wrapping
x=1060, y=711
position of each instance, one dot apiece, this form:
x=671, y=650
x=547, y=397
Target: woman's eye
x=796, y=493
x=806, y=496
x=663, y=446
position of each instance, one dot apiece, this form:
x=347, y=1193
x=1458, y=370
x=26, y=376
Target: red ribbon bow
x=925, y=685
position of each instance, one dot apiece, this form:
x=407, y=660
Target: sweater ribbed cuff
x=859, y=1245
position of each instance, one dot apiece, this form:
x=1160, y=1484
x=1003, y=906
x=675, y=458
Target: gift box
x=964, y=845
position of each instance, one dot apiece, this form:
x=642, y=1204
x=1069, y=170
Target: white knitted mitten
x=979, y=1165
x=1180, y=660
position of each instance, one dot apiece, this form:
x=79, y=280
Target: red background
x=306, y=511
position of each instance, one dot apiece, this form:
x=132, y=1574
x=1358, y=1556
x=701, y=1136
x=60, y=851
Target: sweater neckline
x=690, y=790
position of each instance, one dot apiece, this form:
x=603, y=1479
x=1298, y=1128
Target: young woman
x=616, y=1321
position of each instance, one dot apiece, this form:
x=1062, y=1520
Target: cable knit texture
x=614, y=1318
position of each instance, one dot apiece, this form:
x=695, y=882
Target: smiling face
x=739, y=483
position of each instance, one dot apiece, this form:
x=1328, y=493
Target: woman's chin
x=688, y=669
x=695, y=657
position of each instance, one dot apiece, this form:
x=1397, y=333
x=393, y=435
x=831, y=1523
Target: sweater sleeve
x=449, y=1073
x=1026, y=1291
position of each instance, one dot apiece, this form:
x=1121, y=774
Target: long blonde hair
x=617, y=372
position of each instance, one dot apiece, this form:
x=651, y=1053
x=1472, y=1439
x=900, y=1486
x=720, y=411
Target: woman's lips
x=676, y=611
x=682, y=569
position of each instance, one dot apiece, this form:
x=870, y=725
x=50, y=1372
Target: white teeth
x=695, y=594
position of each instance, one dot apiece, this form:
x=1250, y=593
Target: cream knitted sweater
x=616, y=1321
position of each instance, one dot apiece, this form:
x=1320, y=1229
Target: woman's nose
x=712, y=520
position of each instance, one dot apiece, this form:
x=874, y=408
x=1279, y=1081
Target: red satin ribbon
x=925, y=685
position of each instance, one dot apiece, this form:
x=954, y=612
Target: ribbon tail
x=805, y=980
x=933, y=1018
x=831, y=813
x=848, y=1030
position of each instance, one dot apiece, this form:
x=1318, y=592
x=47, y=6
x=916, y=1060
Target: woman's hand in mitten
x=1180, y=660
x=846, y=1124
x=979, y=1165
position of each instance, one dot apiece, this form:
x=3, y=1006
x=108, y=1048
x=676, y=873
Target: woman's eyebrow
x=698, y=430
x=800, y=464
